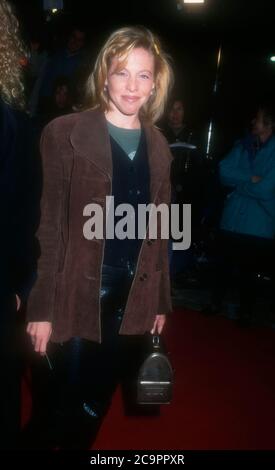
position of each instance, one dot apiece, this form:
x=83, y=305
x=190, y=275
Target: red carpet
x=224, y=395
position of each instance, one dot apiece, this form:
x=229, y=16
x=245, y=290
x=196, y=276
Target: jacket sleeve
x=263, y=190
x=231, y=174
x=41, y=299
x=165, y=304
x=23, y=256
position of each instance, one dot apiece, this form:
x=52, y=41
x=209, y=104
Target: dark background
x=191, y=36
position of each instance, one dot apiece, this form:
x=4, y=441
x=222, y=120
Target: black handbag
x=155, y=377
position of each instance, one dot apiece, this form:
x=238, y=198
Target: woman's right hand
x=40, y=332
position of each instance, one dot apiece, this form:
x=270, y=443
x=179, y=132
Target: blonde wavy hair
x=120, y=43
x=12, y=52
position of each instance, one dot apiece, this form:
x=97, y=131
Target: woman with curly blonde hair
x=12, y=55
x=16, y=181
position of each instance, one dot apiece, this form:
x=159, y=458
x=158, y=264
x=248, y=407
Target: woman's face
x=258, y=125
x=62, y=96
x=176, y=114
x=130, y=87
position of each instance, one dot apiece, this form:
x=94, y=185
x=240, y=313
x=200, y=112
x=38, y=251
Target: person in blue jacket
x=247, y=225
x=249, y=169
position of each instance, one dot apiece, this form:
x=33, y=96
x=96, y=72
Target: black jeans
x=72, y=392
x=10, y=366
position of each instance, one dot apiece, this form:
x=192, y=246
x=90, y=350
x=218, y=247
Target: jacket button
x=143, y=277
x=149, y=242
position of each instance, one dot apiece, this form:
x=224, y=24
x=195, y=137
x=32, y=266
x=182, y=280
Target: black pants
x=72, y=393
x=238, y=260
x=10, y=367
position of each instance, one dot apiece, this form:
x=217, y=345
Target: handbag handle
x=156, y=342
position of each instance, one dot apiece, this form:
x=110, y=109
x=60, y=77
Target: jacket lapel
x=159, y=161
x=90, y=139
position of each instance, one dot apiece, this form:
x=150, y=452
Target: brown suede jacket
x=77, y=170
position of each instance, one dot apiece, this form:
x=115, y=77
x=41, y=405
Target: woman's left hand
x=158, y=324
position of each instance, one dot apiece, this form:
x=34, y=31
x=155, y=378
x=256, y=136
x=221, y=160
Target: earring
x=153, y=91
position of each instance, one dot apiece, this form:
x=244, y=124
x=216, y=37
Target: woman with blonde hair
x=16, y=201
x=96, y=297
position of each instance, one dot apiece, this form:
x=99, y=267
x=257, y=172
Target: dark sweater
x=131, y=185
x=20, y=185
